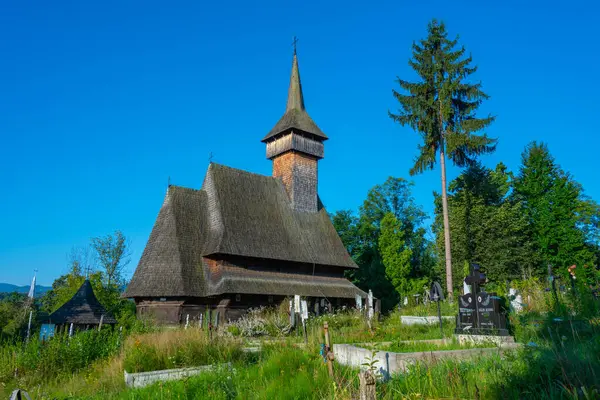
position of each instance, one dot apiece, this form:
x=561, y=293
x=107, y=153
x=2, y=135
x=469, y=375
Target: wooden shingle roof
x=83, y=308
x=236, y=213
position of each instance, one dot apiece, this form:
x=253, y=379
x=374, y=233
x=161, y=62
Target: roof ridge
x=178, y=187
x=244, y=171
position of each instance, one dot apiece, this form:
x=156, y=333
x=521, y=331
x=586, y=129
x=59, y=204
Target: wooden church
x=245, y=240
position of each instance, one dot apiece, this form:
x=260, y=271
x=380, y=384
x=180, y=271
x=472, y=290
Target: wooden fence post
x=367, y=385
x=209, y=324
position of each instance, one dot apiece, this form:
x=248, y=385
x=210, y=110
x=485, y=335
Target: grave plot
x=396, y=357
x=480, y=330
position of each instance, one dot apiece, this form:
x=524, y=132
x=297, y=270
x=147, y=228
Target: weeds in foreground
x=282, y=372
x=62, y=354
x=261, y=321
x=547, y=371
x=176, y=349
x=560, y=361
x=417, y=346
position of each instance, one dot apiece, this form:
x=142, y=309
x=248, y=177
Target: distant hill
x=9, y=288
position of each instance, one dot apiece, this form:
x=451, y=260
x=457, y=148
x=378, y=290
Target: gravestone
x=479, y=312
x=466, y=313
x=358, y=300
x=490, y=314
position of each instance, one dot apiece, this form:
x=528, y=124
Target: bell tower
x=295, y=145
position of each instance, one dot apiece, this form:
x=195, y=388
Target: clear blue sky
x=100, y=102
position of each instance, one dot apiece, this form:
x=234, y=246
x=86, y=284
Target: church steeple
x=295, y=118
x=295, y=98
x=295, y=145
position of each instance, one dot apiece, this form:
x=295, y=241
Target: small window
x=238, y=297
x=270, y=299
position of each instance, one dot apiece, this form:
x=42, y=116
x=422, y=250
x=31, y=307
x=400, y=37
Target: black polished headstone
x=490, y=314
x=466, y=312
x=480, y=313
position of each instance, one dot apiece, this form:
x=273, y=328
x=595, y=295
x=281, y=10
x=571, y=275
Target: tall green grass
x=176, y=349
x=62, y=354
x=417, y=346
x=429, y=309
x=547, y=371
x=352, y=327
x=282, y=372
x=560, y=360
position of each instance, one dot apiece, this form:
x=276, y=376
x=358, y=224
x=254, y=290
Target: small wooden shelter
x=83, y=310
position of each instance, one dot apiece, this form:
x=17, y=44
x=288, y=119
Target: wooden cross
x=210, y=157
x=294, y=44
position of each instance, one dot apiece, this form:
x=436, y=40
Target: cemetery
x=243, y=284
x=357, y=350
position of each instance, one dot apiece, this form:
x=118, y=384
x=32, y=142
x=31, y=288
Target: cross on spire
x=294, y=44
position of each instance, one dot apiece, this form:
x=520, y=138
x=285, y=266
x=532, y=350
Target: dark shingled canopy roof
x=83, y=308
x=295, y=117
x=230, y=279
x=237, y=213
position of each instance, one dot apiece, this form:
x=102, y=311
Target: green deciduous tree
x=360, y=234
x=442, y=107
x=396, y=254
x=112, y=253
x=13, y=318
x=488, y=225
x=113, y=256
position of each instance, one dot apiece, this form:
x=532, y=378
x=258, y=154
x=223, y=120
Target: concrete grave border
x=141, y=379
x=415, y=320
x=389, y=363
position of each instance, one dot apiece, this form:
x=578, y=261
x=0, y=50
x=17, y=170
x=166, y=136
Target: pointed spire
x=295, y=116
x=295, y=98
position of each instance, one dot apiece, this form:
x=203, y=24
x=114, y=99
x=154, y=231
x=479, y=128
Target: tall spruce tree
x=442, y=108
